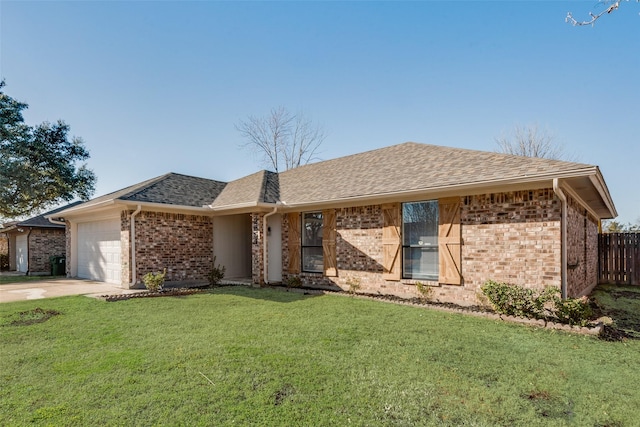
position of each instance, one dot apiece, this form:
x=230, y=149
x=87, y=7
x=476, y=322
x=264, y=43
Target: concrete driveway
x=58, y=287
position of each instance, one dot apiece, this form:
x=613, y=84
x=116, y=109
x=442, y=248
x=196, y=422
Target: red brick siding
x=257, y=256
x=44, y=243
x=183, y=244
x=582, y=250
x=512, y=237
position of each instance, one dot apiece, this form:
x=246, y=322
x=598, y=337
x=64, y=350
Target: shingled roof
x=410, y=167
x=40, y=221
x=260, y=187
x=396, y=171
x=171, y=189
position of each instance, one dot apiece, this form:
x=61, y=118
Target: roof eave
x=521, y=182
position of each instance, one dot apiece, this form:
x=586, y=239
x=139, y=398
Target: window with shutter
x=450, y=241
x=294, y=243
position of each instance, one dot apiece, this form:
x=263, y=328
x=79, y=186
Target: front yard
x=240, y=356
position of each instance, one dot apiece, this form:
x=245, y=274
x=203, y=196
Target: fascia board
x=598, y=182
x=82, y=209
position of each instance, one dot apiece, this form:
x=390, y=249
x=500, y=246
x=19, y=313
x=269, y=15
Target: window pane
x=312, y=259
x=420, y=223
x=420, y=240
x=420, y=263
x=312, y=229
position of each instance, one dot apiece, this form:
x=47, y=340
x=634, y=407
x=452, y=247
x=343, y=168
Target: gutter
x=133, y=246
x=57, y=222
x=563, y=236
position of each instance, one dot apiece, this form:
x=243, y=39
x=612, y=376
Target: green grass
x=20, y=279
x=240, y=356
x=622, y=305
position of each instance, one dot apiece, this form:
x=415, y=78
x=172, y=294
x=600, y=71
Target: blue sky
x=154, y=87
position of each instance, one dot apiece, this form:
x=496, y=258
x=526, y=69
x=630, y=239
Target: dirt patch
x=625, y=294
x=31, y=317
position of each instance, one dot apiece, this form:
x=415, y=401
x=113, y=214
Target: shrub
x=515, y=300
x=354, y=284
x=426, y=292
x=574, y=311
x=294, y=282
x=154, y=281
x=217, y=273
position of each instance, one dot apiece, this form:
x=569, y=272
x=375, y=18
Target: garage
x=22, y=254
x=99, y=256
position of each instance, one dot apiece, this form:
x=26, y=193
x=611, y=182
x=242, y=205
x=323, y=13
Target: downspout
x=133, y=246
x=265, y=229
x=563, y=236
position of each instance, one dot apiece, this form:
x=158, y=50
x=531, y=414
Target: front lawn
x=241, y=356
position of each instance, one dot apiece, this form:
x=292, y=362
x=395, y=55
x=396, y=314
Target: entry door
x=22, y=253
x=274, y=248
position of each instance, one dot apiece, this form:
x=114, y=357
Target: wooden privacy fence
x=619, y=258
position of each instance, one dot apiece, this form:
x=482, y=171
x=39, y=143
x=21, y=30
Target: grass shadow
x=273, y=294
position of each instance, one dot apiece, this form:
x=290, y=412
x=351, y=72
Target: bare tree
x=610, y=6
x=531, y=141
x=283, y=140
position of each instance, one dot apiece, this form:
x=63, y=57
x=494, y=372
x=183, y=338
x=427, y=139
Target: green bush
x=515, y=300
x=574, y=311
x=425, y=291
x=154, y=281
x=217, y=273
x=518, y=301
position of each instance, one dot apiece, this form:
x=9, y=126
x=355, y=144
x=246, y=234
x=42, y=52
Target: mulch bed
x=172, y=292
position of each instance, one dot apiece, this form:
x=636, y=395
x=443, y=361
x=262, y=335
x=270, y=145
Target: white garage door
x=22, y=262
x=99, y=251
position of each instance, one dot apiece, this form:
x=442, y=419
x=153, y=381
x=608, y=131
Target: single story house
x=388, y=218
x=32, y=242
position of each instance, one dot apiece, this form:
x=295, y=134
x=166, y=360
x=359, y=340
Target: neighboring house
x=32, y=242
x=388, y=218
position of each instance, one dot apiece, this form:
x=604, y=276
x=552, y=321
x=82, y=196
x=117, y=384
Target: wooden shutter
x=449, y=241
x=294, y=243
x=391, y=244
x=329, y=242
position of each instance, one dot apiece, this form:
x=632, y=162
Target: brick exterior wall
x=512, y=237
x=582, y=250
x=257, y=256
x=183, y=244
x=4, y=244
x=43, y=243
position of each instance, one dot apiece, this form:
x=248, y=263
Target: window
x=420, y=240
x=312, y=259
